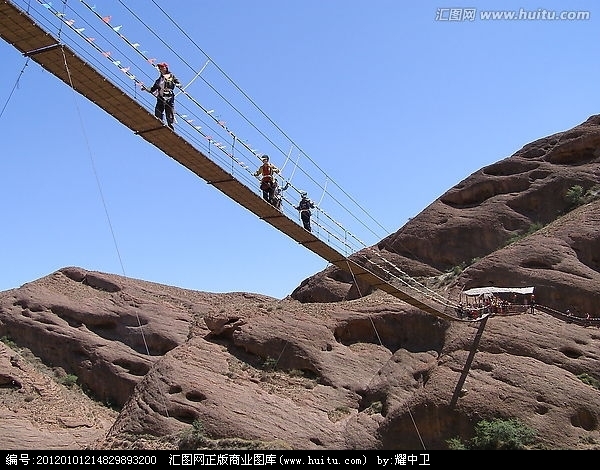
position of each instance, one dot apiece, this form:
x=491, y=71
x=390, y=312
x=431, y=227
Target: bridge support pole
x=467, y=367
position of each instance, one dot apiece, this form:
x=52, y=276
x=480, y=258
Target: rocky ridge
x=326, y=368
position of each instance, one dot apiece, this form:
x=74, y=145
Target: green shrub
x=9, y=342
x=501, y=435
x=574, y=195
x=269, y=364
x=498, y=434
x=456, y=270
x=375, y=408
x=193, y=438
x=588, y=379
x=69, y=380
x=455, y=444
x=198, y=427
x=532, y=229
x=296, y=373
x=339, y=413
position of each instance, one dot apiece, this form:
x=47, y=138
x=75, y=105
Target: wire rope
x=15, y=86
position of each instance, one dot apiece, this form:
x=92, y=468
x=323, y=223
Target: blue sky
x=381, y=101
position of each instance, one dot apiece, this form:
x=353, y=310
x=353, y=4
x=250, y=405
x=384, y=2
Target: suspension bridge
x=20, y=30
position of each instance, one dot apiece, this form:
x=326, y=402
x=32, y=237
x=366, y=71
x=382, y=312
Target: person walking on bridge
x=277, y=198
x=266, y=172
x=164, y=90
x=304, y=206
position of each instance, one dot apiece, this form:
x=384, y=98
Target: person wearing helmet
x=164, y=90
x=304, y=206
x=266, y=173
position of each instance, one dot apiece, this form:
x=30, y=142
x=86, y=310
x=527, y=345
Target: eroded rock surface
x=335, y=365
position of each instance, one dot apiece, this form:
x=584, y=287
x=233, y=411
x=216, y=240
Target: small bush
x=456, y=270
x=498, y=434
x=574, y=195
x=269, y=364
x=9, y=342
x=339, y=413
x=532, y=229
x=588, y=379
x=501, y=435
x=198, y=426
x=296, y=373
x=193, y=438
x=69, y=380
x=375, y=408
x=455, y=444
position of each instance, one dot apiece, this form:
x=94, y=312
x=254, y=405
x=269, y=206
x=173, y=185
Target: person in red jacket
x=266, y=172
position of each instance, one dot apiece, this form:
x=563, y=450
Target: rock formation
x=334, y=365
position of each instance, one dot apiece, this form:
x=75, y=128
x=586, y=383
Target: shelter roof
x=476, y=291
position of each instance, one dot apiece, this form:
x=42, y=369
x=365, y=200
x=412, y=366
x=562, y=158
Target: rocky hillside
x=334, y=365
x=483, y=226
